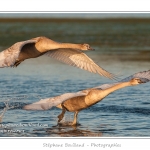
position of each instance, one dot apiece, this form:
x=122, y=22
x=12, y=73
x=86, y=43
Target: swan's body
x=76, y=102
x=68, y=53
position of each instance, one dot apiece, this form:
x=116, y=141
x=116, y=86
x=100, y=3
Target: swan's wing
x=144, y=76
x=45, y=104
x=105, y=86
x=78, y=59
x=9, y=56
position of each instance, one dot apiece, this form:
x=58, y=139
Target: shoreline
x=122, y=20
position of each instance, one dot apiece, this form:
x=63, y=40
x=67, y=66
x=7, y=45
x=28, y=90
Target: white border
x=60, y=143
x=74, y=5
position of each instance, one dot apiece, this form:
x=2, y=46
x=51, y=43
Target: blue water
x=123, y=113
x=121, y=48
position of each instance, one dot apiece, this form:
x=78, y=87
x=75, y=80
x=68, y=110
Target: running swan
x=75, y=102
x=68, y=53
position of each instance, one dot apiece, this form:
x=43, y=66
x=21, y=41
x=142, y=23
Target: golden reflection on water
x=65, y=130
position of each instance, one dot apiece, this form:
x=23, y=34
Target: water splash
x=6, y=108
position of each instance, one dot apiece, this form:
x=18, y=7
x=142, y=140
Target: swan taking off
x=68, y=53
x=75, y=102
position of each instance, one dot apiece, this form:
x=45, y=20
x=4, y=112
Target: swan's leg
x=60, y=117
x=18, y=62
x=75, y=118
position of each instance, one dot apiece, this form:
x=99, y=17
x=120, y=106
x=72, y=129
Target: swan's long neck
x=117, y=87
x=96, y=95
x=69, y=45
x=44, y=44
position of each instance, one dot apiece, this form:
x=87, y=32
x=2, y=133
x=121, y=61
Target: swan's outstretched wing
x=9, y=56
x=144, y=76
x=105, y=86
x=45, y=104
x=78, y=59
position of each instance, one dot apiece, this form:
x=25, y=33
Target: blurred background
x=121, y=36
x=122, y=46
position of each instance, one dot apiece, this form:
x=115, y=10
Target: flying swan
x=75, y=102
x=68, y=53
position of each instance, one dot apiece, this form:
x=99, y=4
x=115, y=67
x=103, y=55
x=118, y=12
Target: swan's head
x=86, y=47
x=136, y=81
